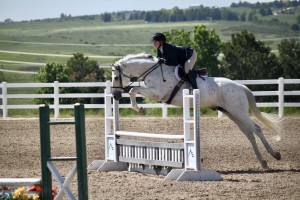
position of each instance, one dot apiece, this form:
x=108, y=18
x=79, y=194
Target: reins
x=145, y=74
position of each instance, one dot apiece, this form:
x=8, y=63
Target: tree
x=295, y=27
x=269, y=11
x=262, y=11
x=2, y=78
x=148, y=17
x=251, y=16
x=177, y=15
x=246, y=58
x=48, y=74
x=179, y=37
x=229, y=15
x=216, y=14
x=298, y=19
x=8, y=20
x=243, y=17
x=289, y=51
x=81, y=69
x=106, y=17
x=207, y=44
x=77, y=69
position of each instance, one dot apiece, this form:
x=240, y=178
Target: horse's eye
x=116, y=78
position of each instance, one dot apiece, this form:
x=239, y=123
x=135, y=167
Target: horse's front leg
x=146, y=92
x=134, y=105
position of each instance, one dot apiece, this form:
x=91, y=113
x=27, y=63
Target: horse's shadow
x=247, y=172
x=227, y=172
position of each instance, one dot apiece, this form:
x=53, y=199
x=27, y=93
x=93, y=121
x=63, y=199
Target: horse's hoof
x=142, y=111
x=264, y=164
x=277, y=155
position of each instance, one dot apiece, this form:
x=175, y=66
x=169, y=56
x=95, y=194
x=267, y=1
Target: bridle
x=145, y=74
x=118, y=68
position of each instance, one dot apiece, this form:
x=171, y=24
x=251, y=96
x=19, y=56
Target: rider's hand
x=161, y=61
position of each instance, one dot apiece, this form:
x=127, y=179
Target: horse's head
x=119, y=81
x=125, y=69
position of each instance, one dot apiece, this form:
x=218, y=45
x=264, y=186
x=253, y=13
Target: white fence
x=6, y=95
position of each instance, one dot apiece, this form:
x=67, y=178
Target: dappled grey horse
x=233, y=99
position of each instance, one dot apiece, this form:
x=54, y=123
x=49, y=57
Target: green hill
x=55, y=40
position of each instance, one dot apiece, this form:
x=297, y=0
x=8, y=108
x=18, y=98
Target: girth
x=175, y=90
x=199, y=72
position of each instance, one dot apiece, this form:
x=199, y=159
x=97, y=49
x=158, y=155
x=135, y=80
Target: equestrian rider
x=176, y=55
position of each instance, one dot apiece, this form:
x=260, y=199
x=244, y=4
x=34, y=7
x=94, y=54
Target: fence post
x=196, y=118
x=1, y=110
x=45, y=141
x=280, y=97
x=56, y=100
x=4, y=99
x=81, y=152
x=164, y=110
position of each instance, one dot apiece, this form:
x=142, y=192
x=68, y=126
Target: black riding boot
x=192, y=79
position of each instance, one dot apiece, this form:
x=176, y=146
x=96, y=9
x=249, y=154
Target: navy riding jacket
x=175, y=55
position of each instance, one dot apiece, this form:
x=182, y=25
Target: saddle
x=180, y=73
x=200, y=72
x=182, y=77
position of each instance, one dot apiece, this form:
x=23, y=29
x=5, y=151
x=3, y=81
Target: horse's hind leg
x=249, y=134
x=268, y=147
x=246, y=125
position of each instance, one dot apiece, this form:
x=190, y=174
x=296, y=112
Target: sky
x=19, y=10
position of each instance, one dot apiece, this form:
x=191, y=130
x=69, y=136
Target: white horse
x=233, y=99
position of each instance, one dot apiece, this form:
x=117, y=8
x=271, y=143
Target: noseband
x=145, y=74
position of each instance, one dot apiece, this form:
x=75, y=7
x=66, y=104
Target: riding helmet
x=159, y=37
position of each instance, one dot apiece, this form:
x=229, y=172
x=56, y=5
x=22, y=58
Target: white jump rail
x=178, y=160
x=20, y=181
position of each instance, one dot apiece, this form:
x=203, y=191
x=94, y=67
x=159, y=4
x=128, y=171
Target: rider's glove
x=161, y=61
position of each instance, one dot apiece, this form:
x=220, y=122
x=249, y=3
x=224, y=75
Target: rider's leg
x=188, y=66
x=192, y=79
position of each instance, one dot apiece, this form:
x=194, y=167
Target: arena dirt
x=224, y=147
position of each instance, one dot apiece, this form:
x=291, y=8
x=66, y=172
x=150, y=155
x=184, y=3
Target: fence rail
x=5, y=95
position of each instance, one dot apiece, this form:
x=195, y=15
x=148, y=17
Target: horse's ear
x=115, y=67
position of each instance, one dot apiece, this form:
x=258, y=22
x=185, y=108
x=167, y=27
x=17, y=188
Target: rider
x=176, y=55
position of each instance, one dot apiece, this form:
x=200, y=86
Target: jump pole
x=187, y=155
x=193, y=170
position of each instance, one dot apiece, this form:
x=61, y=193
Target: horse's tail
x=266, y=119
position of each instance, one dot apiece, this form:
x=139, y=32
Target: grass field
x=95, y=38
x=55, y=41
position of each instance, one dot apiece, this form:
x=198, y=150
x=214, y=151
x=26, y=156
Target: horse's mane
x=135, y=56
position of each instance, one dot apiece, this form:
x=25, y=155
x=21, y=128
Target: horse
x=233, y=99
